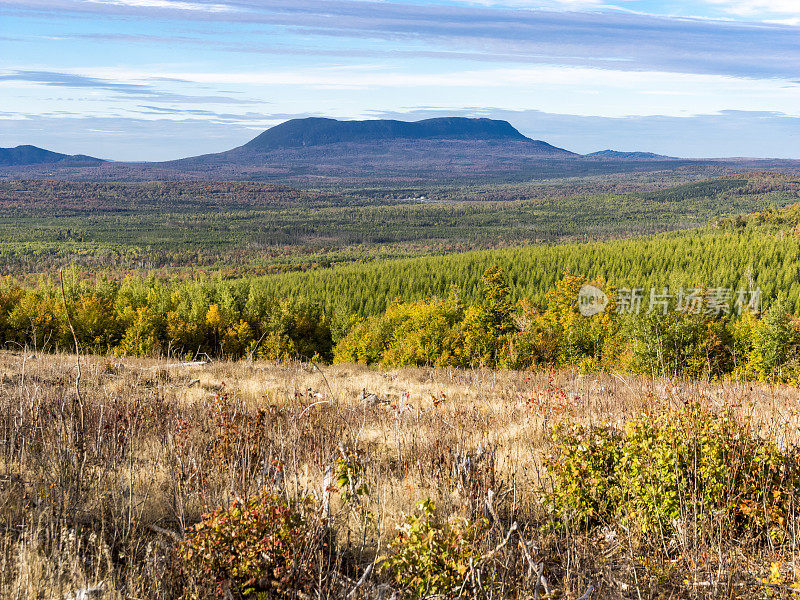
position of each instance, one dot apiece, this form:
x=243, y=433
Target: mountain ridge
x=316, y=150
x=26, y=154
x=297, y=138
x=629, y=155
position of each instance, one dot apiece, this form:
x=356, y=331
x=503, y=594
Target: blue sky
x=162, y=79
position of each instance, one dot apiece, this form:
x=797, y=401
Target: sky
x=164, y=79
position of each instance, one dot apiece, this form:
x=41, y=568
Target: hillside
x=319, y=151
x=319, y=147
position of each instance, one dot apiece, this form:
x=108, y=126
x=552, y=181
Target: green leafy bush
x=140, y=337
x=350, y=477
x=430, y=557
x=585, y=465
x=768, y=347
x=681, y=344
x=266, y=546
x=656, y=472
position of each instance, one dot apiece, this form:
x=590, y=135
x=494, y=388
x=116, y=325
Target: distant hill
x=318, y=151
x=630, y=155
x=32, y=155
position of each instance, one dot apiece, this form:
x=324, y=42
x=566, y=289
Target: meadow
x=105, y=477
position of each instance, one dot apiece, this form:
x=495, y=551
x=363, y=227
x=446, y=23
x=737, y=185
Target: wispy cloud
x=70, y=80
x=542, y=4
x=56, y=79
x=371, y=76
x=758, y=8
x=636, y=41
x=554, y=85
x=244, y=118
x=169, y=5
x=124, y=138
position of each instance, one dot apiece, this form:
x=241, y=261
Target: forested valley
x=240, y=228
x=437, y=310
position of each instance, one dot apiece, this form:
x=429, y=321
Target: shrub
x=579, y=337
x=768, y=347
x=10, y=296
x=431, y=557
x=656, y=471
x=585, y=465
x=408, y=333
x=95, y=324
x=350, y=477
x=424, y=333
x=39, y=319
x=363, y=343
x=488, y=325
x=681, y=344
x=265, y=545
x=297, y=327
x=141, y=336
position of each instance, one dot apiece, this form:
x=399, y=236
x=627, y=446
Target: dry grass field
x=99, y=482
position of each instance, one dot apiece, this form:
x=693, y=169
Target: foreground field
x=98, y=489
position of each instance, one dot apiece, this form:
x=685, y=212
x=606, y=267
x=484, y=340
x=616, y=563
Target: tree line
x=241, y=318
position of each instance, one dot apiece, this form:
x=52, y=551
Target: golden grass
x=164, y=443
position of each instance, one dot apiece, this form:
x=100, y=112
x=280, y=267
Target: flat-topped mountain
x=33, y=155
x=317, y=147
x=314, y=131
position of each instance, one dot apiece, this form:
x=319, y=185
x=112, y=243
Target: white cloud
x=758, y=8
x=575, y=90
x=369, y=76
x=794, y=21
x=168, y=4
x=569, y=4
x=773, y=11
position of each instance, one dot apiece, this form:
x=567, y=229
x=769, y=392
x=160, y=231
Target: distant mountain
x=314, y=131
x=314, y=148
x=629, y=155
x=32, y=155
x=318, y=151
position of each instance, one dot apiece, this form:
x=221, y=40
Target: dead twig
x=360, y=582
x=171, y=534
x=79, y=398
x=541, y=582
x=502, y=544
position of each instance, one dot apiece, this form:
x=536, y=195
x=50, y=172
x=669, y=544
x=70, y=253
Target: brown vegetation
x=97, y=491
